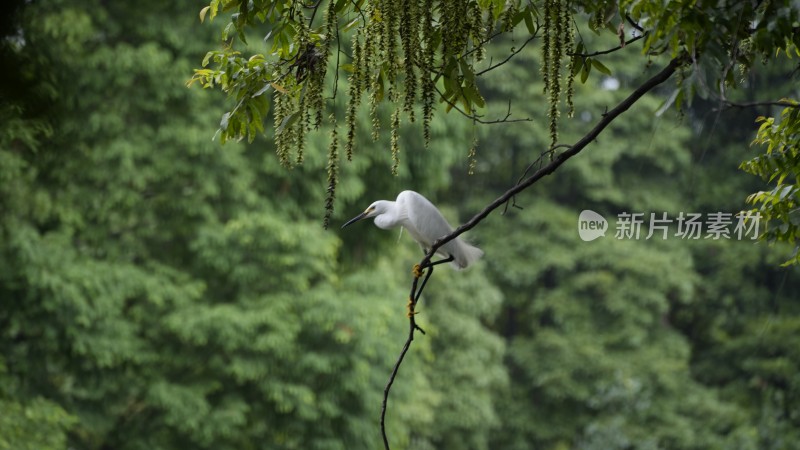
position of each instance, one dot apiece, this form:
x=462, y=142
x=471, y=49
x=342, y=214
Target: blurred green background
x=159, y=291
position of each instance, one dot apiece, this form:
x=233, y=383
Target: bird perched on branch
x=424, y=223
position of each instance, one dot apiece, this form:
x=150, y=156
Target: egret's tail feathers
x=468, y=254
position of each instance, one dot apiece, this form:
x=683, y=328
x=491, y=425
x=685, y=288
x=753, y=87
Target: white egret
x=424, y=223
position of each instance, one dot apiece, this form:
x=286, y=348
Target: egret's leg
x=430, y=272
x=410, y=308
x=422, y=286
x=417, y=271
x=450, y=258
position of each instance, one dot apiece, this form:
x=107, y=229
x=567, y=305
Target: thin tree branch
x=611, y=50
x=314, y=6
x=360, y=11
x=476, y=47
x=573, y=150
x=508, y=58
x=389, y=385
x=474, y=117
x=783, y=103
x=540, y=162
x=412, y=326
x=633, y=23
x=336, y=71
x=477, y=118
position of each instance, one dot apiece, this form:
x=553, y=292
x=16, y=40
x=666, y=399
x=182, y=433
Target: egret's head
x=377, y=208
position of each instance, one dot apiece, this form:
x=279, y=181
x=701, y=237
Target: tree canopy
x=417, y=54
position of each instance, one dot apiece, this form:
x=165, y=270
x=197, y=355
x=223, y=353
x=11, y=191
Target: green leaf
x=601, y=67
x=340, y=4
x=351, y=24
x=578, y=64
x=473, y=95
x=466, y=71
x=288, y=121
x=587, y=67
x=379, y=92
x=529, y=22
x=667, y=102
x=223, y=124
x=262, y=90
x=207, y=58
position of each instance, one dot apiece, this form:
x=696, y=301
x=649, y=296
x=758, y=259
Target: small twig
x=314, y=13
x=794, y=72
x=476, y=47
x=494, y=35
x=391, y=381
x=540, y=161
x=360, y=11
x=476, y=117
x=611, y=50
x=634, y=24
x=336, y=72
x=619, y=47
x=734, y=52
x=783, y=103
x=508, y=58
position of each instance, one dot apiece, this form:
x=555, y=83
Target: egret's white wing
x=424, y=221
x=426, y=224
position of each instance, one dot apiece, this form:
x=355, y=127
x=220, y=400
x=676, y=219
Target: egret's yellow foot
x=417, y=271
x=410, y=308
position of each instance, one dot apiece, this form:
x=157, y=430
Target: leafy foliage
x=403, y=51
x=39, y=424
x=779, y=164
x=398, y=52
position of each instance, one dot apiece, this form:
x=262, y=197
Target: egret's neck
x=391, y=217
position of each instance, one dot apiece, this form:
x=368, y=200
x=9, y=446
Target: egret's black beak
x=356, y=218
